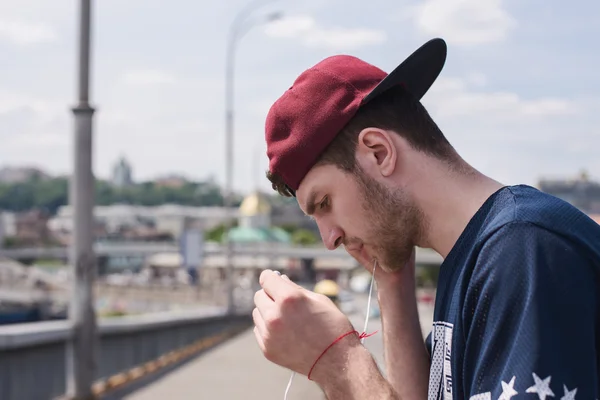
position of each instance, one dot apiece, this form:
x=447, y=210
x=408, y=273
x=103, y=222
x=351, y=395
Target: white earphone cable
x=289, y=385
x=369, y=301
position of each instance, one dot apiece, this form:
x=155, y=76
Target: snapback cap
x=324, y=98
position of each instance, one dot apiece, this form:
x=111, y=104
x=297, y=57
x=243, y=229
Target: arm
x=406, y=357
x=529, y=319
x=350, y=373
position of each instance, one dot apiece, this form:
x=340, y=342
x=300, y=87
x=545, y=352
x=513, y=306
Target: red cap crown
x=308, y=116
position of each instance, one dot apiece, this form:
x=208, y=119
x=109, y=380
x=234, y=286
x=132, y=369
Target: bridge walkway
x=238, y=370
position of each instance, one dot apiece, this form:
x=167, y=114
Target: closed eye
x=324, y=203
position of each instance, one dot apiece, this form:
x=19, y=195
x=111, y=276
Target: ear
x=376, y=147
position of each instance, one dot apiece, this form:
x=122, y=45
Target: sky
x=519, y=97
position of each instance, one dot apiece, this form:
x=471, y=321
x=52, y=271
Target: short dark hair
x=394, y=110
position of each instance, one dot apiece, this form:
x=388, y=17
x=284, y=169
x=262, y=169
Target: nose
x=332, y=236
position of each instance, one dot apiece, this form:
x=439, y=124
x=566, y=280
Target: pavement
x=238, y=370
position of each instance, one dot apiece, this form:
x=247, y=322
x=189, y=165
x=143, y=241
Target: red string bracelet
x=361, y=336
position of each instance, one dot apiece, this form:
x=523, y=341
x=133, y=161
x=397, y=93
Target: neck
x=448, y=200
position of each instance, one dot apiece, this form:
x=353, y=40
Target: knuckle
x=272, y=321
x=292, y=300
x=324, y=298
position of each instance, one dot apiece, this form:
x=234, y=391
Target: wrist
x=392, y=286
x=334, y=361
x=354, y=376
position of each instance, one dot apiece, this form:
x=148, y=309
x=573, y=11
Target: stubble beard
x=396, y=222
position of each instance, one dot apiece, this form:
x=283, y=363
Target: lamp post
x=81, y=350
x=236, y=32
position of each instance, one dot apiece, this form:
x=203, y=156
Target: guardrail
x=425, y=256
x=33, y=355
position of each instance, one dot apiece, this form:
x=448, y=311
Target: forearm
x=406, y=358
x=357, y=377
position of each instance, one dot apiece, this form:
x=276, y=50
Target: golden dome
x=255, y=204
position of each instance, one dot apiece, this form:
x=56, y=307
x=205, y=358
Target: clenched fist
x=294, y=326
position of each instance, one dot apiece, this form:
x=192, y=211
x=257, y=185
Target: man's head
x=339, y=136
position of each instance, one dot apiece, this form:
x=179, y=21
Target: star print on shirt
x=508, y=390
x=569, y=395
x=541, y=387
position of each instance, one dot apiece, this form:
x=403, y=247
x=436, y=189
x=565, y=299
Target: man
x=516, y=311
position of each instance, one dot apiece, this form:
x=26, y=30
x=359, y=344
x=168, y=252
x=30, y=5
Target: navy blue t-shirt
x=517, y=308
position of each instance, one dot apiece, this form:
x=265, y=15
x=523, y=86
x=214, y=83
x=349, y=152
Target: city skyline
x=507, y=98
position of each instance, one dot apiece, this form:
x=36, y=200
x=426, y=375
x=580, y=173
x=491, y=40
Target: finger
x=263, y=302
x=274, y=286
x=259, y=322
x=259, y=339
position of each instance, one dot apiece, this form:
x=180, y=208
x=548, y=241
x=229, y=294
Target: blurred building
x=21, y=174
x=580, y=191
x=8, y=224
x=290, y=214
x=122, y=174
x=171, y=181
x=254, y=222
x=31, y=228
x=145, y=223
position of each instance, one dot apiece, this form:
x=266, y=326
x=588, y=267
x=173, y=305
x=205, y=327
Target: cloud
x=477, y=79
x=452, y=97
x=148, y=77
x=26, y=33
x=463, y=22
x=511, y=136
x=28, y=121
x=12, y=103
x=305, y=29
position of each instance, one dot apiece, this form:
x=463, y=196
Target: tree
x=304, y=237
x=50, y=194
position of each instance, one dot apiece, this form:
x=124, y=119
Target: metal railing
x=33, y=355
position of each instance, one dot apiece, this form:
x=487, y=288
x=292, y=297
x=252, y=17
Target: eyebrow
x=310, y=203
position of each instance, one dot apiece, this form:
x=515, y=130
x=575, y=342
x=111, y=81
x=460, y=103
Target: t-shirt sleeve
x=529, y=319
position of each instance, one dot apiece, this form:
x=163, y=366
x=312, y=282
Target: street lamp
x=237, y=31
x=81, y=360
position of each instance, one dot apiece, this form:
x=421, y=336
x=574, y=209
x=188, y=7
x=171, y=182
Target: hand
x=403, y=276
x=295, y=325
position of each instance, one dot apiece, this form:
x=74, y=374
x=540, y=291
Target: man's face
x=354, y=210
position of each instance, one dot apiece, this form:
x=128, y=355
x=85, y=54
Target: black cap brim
x=417, y=73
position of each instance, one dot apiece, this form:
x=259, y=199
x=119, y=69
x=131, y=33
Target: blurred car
x=342, y=298
x=328, y=288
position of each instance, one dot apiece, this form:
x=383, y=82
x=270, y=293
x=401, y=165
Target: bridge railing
x=210, y=250
x=33, y=355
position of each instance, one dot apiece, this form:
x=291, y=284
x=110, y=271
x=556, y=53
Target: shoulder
x=523, y=248
x=525, y=271
x=522, y=260
x=520, y=204
x=520, y=235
